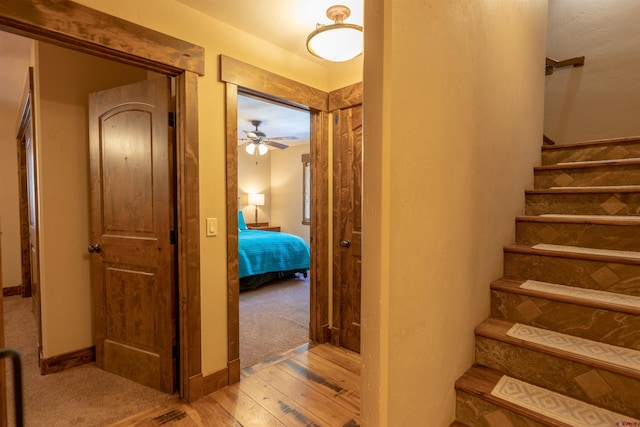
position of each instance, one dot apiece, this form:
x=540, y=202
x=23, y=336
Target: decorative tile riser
x=476, y=412
x=586, y=177
x=583, y=204
x=599, y=387
x=598, y=152
x=585, y=322
x=600, y=236
x=604, y=276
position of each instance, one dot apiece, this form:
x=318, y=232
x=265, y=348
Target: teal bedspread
x=262, y=252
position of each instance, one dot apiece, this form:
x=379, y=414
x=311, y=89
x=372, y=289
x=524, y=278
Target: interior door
x=34, y=253
x=3, y=381
x=348, y=222
x=132, y=257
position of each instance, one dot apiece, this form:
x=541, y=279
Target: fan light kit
x=259, y=140
x=337, y=42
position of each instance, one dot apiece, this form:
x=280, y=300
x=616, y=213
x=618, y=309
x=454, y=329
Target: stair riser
x=627, y=150
x=599, y=387
x=598, y=275
x=586, y=177
x=474, y=411
x=600, y=236
x=595, y=324
x=583, y=204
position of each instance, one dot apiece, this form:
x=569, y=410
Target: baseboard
x=233, y=368
x=216, y=381
x=60, y=362
x=12, y=291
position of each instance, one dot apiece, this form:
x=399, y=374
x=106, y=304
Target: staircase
x=562, y=345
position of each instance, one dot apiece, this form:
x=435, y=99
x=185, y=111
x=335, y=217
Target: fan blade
x=275, y=144
x=282, y=138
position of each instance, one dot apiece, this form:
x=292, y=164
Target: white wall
x=602, y=99
x=453, y=110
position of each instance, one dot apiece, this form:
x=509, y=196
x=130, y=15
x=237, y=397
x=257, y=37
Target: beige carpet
x=83, y=396
x=273, y=319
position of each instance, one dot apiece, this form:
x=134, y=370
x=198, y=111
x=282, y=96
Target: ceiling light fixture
x=337, y=42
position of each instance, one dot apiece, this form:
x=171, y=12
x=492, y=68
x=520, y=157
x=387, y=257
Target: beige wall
x=453, y=108
x=217, y=38
x=602, y=99
x=9, y=193
x=277, y=174
x=254, y=176
x=286, y=190
x=64, y=79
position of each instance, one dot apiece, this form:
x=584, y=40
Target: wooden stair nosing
x=512, y=285
x=592, y=164
x=529, y=250
x=595, y=143
x=497, y=329
x=479, y=381
x=580, y=219
x=457, y=423
x=585, y=190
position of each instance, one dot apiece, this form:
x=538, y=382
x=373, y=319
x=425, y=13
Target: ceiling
x=285, y=23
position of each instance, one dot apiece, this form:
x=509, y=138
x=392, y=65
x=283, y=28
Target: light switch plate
x=212, y=226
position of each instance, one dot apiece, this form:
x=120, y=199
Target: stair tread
x=570, y=294
x=617, y=359
x=589, y=251
x=583, y=144
x=537, y=403
x=586, y=190
x=583, y=219
x=589, y=164
x=605, y=255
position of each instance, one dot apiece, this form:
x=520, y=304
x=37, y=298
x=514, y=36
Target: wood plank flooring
x=312, y=385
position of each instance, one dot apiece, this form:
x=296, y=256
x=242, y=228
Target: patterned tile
x=548, y=233
x=615, y=355
x=605, y=277
x=612, y=205
x=562, y=408
x=593, y=385
x=528, y=310
x=583, y=294
x=563, y=180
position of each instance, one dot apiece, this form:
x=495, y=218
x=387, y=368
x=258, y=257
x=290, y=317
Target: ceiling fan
x=258, y=139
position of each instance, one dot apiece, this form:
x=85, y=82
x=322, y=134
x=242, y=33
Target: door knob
x=95, y=248
x=345, y=243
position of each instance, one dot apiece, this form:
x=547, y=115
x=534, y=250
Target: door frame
x=249, y=79
x=77, y=27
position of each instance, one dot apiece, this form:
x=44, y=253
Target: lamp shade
x=256, y=199
x=336, y=42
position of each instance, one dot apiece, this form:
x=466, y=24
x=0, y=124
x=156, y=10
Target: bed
x=264, y=256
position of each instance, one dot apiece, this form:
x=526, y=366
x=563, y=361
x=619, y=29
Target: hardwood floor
x=312, y=385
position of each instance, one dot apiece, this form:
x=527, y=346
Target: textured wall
x=602, y=99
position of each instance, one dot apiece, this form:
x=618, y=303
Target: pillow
x=241, y=224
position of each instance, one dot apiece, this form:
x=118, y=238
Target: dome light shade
x=262, y=149
x=250, y=148
x=337, y=42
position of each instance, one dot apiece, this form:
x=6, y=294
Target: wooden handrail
x=553, y=63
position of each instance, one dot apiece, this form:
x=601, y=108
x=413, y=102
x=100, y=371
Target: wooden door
x=132, y=257
x=3, y=380
x=34, y=252
x=348, y=222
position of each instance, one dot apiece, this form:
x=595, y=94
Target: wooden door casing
x=348, y=224
x=131, y=210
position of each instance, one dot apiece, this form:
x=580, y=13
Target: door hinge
x=173, y=237
x=172, y=119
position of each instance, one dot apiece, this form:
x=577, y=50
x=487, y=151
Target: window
x=306, y=189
